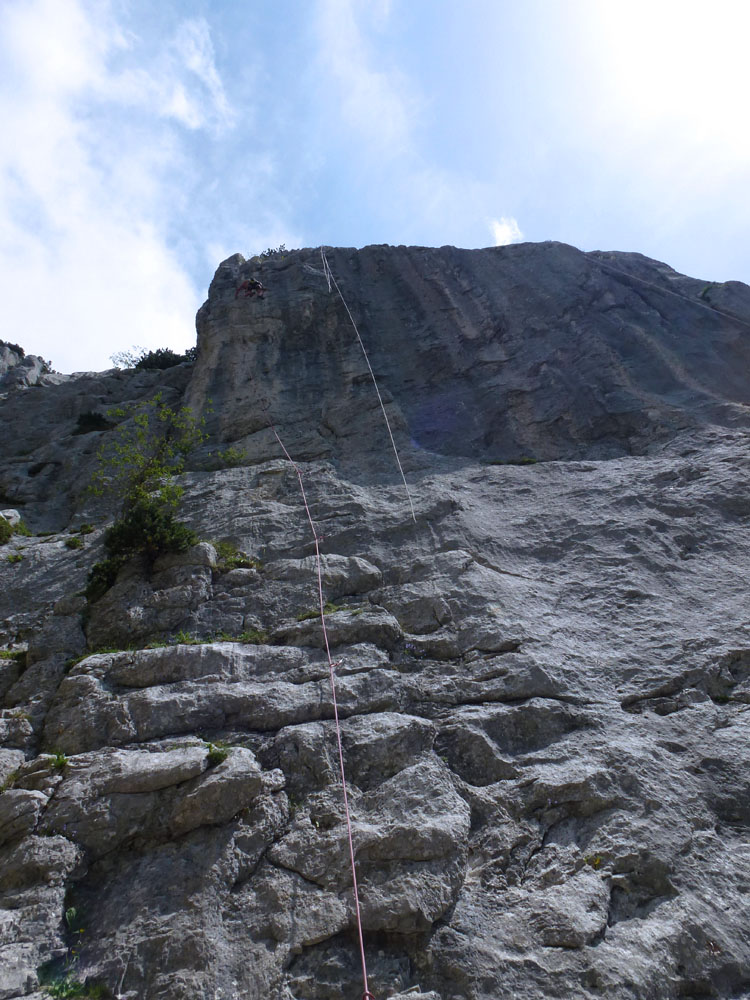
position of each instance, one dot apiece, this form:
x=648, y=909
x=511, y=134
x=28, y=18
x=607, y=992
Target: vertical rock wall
x=544, y=682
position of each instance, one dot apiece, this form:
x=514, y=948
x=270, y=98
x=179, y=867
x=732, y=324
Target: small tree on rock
x=138, y=464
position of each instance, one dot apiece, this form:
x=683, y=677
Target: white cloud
x=87, y=186
x=505, y=230
x=194, y=47
x=181, y=83
x=377, y=105
x=668, y=85
x=370, y=101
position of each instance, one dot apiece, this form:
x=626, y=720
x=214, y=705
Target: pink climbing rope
x=332, y=674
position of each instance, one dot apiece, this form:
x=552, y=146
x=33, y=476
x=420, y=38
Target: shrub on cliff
x=16, y=348
x=147, y=450
x=5, y=531
x=148, y=528
x=92, y=421
x=161, y=358
x=138, y=465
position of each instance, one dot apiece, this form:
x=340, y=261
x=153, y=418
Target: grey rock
x=32, y=693
x=10, y=761
x=215, y=686
x=33, y=875
x=120, y=796
x=203, y=554
x=9, y=357
x=10, y=671
x=416, y=993
x=229, y=788
x=60, y=634
x=21, y=372
x=344, y=628
x=341, y=575
x=542, y=682
x=16, y=731
x=138, y=608
x=552, y=353
x=19, y=812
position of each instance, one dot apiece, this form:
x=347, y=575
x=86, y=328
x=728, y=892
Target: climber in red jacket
x=250, y=287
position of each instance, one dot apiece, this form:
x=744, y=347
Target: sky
x=143, y=143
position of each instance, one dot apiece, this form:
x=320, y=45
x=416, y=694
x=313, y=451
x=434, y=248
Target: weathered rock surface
x=46, y=463
x=19, y=371
x=543, y=679
x=533, y=350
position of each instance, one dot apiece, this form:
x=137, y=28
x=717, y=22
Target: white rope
x=332, y=281
x=326, y=269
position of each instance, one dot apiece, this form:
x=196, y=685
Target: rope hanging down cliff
x=328, y=274
x=332, y=676
x=332, y=283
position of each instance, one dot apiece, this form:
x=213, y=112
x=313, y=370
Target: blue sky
x=143, y=143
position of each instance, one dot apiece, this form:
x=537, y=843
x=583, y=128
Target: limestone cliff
x=544, y=677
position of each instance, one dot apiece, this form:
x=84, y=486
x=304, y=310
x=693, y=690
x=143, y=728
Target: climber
x=250, y=287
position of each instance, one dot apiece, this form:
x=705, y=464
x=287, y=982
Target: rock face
x=543, y=678
x=535, y=350
x=20, y=371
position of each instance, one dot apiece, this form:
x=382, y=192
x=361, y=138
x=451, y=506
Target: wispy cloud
x=505, y=230
x=377, y=104
x=182, y=82
x=370, y=100
x=87, y=261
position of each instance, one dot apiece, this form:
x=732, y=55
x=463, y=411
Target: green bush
x=58, y=760
x=329, y=609
x=101, y=577
x=161, y=358
x=138, y=465
x=5, y=531
x=146, y=451
x=74, y=542
x=149, y=528
x=186, y=639
x=13, y=654
x=217, y=754
x=21, y=529
x=230, y=557
x=92, y=421
x=67, y=987
x=272, y=252
x=522, y=460
x=230, y=458
x=9, y=782
x=252, y=637
x=15, y=558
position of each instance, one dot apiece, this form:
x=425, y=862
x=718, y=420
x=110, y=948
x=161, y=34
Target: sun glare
x=677, y=63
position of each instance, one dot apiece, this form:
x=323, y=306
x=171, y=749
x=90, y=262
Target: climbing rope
x=332, y=676
x=332, y=283
x=328, y=274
